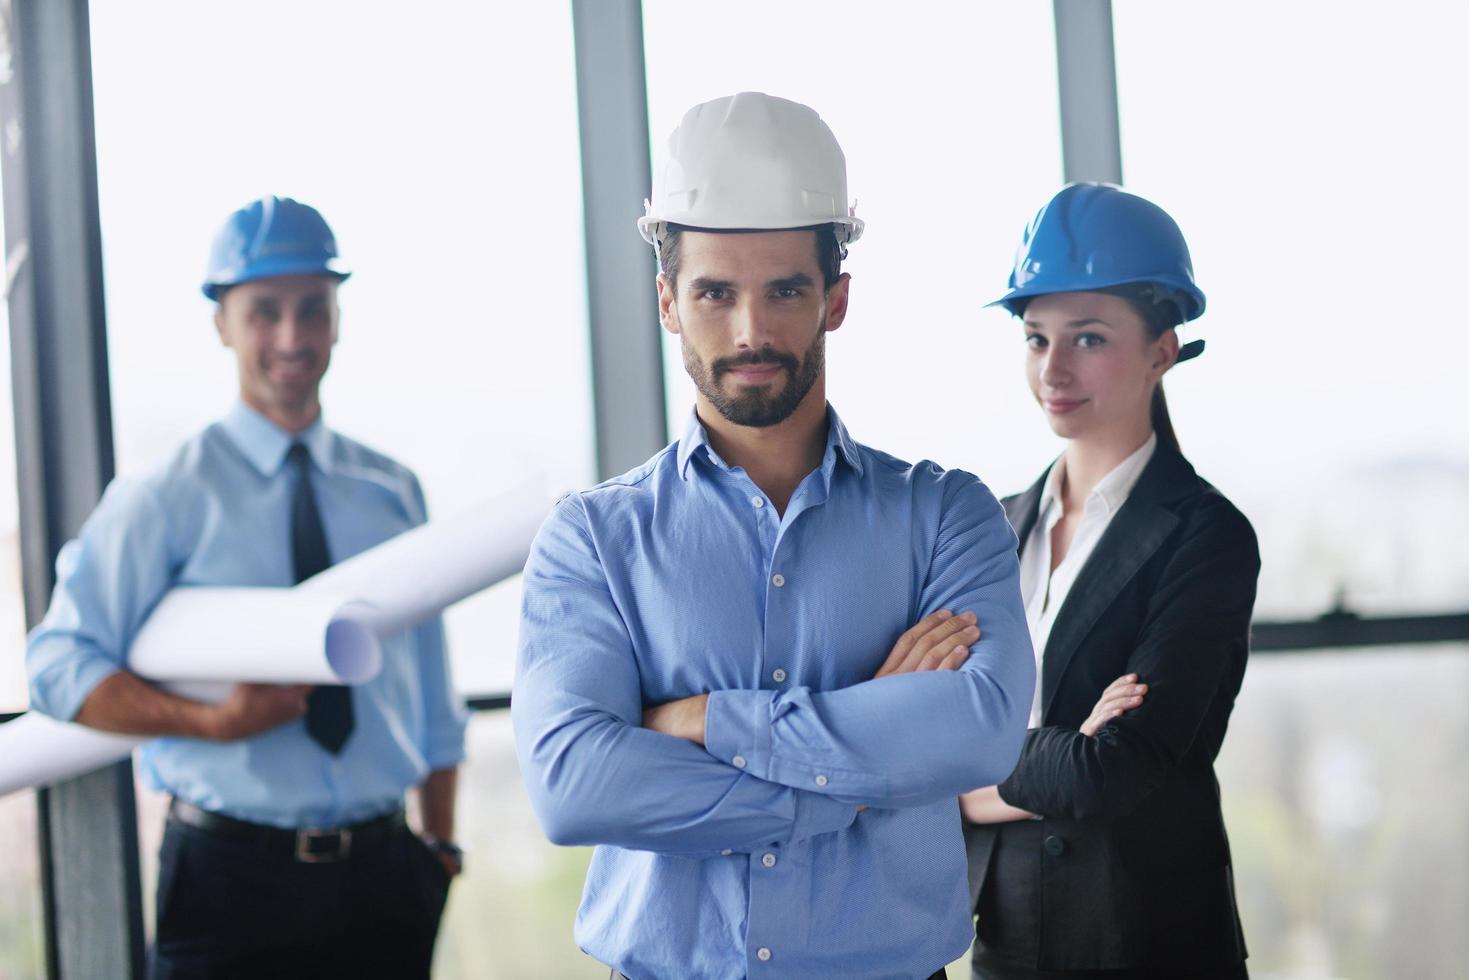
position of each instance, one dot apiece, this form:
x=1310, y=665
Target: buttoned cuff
x=446, y=755
x=64, y=700
x=444, y=746
x=817, y=814
x=737, y=729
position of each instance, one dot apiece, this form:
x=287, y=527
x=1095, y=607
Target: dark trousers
x=941, y=975
x=993, y=970
x=227, y=911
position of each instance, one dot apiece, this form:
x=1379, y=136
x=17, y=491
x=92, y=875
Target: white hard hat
x=752, y=161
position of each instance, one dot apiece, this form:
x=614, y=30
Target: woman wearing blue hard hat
x=1105, y=849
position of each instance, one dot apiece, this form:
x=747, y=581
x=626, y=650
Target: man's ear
x=224, y=338
x=668, y=305
x=836, y=301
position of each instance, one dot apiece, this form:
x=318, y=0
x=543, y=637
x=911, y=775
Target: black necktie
x=329, y=707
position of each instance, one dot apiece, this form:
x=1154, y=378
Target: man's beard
x=755, y=405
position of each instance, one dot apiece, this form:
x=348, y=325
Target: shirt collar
x=265, y=444
x=1115, y=486
x=1112, y=490
x=839, y=443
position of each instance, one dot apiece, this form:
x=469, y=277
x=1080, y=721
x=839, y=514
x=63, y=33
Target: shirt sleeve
x=594, y=775
x=1196, y=630
x=445, y=718
x=907, y=739
x=108, y=579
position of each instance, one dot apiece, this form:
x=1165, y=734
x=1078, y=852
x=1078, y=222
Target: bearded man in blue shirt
x=286, y=853
x=720, y=682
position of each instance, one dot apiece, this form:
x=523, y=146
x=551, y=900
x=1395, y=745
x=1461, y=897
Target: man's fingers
x=955, y=659
x=909, y=638
x=927, y=652
x=912, y=644
x=940, y=657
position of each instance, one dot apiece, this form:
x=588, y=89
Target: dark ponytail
x=1159, y=313
x=1162, y=424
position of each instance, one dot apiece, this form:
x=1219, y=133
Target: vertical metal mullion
x=1086, y=64
x=92, y=896
x=627, y=357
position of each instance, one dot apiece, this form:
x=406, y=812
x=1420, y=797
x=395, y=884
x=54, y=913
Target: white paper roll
x=268, y=636
x=198, y=635
x=36, y=750
x=421, y=572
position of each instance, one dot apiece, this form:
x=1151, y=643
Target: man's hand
x=683, y=718
x=254, y=708
x=1120, y=697
x=939, y=641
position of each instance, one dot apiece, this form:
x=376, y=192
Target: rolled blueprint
x=203, y=634
x=422, y=572
x=36, y=750
x=270, y=636
x=195, y=636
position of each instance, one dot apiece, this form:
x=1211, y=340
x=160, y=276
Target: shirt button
x=768, y=860
x=777, y=580
x=757, y=502
x=739, y=761
x=820, y=780
x=777, y=675
x=763, y=953
x=726, y=852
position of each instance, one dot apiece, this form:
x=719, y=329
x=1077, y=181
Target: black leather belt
x=311, y=845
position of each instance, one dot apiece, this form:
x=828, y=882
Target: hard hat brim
x=851, y=228
x=1194, y=308
x=277, y=268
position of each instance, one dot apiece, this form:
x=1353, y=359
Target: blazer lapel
x=1022, y=508
x=1134, y=535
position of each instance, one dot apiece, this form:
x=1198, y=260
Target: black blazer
x=1130, y=866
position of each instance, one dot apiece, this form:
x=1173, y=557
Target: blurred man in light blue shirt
x=720, y=679
x=286, y=851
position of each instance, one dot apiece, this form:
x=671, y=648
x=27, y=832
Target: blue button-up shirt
x=749, y=857
x=218, y=513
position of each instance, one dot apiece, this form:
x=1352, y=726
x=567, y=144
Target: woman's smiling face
x=1091, y=364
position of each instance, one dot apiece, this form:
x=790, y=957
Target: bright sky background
x=1307, y=150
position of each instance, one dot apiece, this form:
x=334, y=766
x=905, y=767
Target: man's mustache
x=726, y=364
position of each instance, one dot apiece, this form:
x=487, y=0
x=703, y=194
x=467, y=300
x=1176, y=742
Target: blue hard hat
x=274, y=236
x=1094, y=236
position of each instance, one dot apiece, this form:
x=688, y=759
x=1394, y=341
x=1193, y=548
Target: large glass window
x=1308, y=152
x=20, y=886
x=1346, y=812
x=1318, y=193
x=456, y=199
x=442, y=147
x=21, y=936
x=512, y=915
x=948, y=118
x=12, y=603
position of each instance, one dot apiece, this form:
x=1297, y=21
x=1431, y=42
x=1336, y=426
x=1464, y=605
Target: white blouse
x=1044, y=590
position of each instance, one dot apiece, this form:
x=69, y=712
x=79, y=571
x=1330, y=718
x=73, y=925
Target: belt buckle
x=307, y=836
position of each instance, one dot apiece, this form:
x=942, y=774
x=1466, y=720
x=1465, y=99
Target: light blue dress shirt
x=218, y=513
x=750, y=858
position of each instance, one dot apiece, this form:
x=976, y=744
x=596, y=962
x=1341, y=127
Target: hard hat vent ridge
x=272, y=236
x=752, y=161
x=1091, y=236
